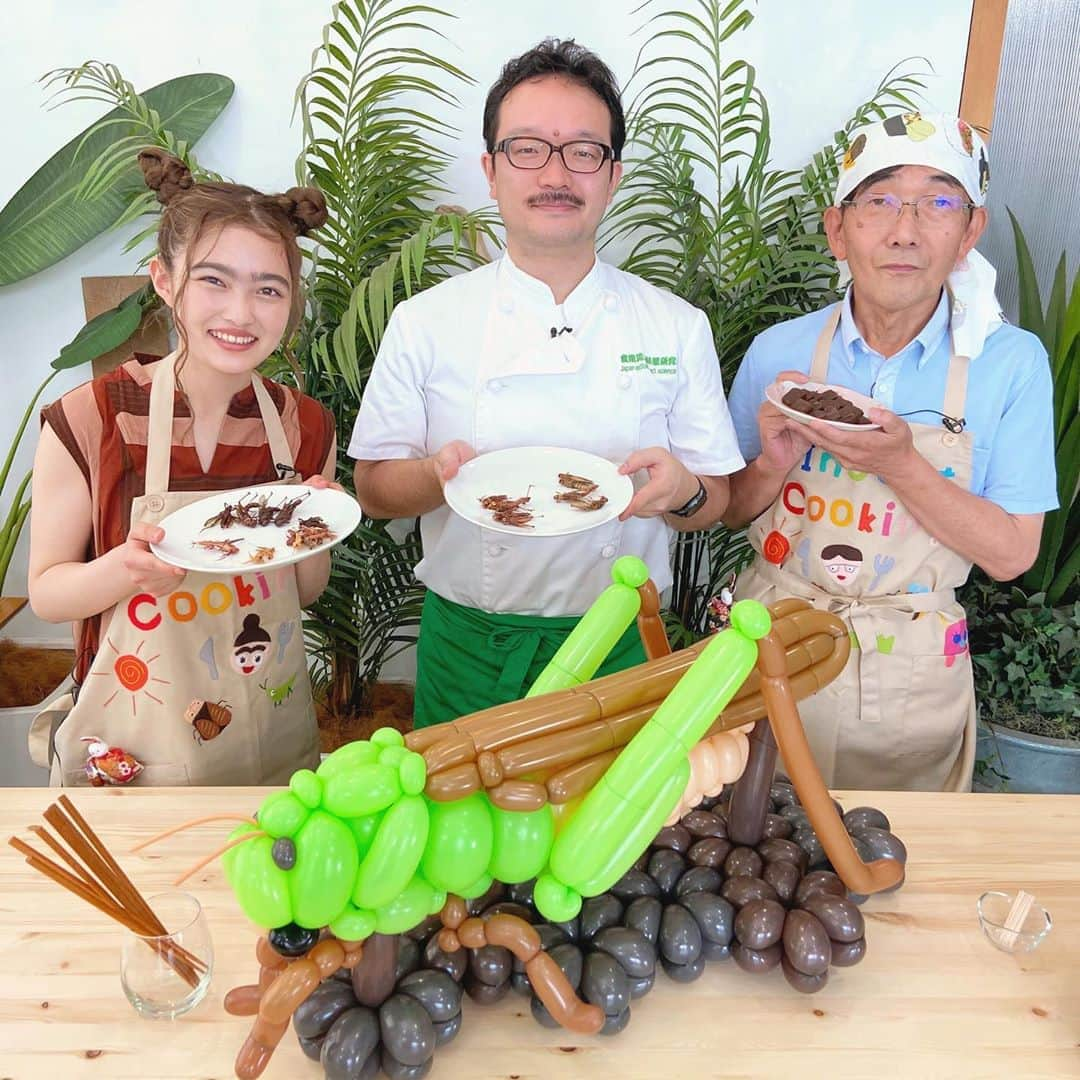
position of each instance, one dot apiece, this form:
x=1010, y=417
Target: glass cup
x=165, y=976
x=994, y=908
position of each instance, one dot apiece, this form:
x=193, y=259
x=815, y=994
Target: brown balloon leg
x=287, y=986
x=454, y=912
x=548, y=981
x=787, y=727
x=258, y=1048
x=243, y=1000
x=557, y=995
x=650, y=623
x=750, y=799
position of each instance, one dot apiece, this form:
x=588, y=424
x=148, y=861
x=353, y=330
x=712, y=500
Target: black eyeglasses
x=579, y=156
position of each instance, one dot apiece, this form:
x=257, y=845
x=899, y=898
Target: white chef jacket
x=473, y=358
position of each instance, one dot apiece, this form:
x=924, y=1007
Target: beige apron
x=207, y=685
x=901, y=715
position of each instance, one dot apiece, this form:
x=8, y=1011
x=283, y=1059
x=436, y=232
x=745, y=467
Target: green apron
x=468, y=660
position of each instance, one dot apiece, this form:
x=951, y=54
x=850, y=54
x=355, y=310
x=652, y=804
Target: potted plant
x=1027, y=677
x=1025, y=638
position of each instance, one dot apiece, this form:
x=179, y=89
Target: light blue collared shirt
x=885, y=369
x=1009, y=405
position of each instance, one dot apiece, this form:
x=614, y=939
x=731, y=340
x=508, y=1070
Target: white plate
x=775, y=391
x=340, y=511
x=510, y=472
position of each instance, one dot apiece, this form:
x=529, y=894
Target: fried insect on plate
x=225, y=517
x=580, y=496
x=247, y=513
x=226, y=547
x=502, y=502
x=507, y=511
x=238, y=513
x=519, y=519
x=255, y=512
x=311, y=532
x=581, y=502
x=283, y=514
x=261, y=555
x=581, y=484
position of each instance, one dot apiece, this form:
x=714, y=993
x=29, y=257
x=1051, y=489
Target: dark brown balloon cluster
x=353, y=1036
x=781, y=904
x=694, y=897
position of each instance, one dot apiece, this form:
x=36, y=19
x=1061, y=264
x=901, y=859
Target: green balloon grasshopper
x=367, y=845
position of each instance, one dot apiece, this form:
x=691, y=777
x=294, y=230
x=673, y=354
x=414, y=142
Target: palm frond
x=373, y=113
x=370, y=115
x=141, y=124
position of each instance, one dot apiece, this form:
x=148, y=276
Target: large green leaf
x=1031, y=311
x=44, y=222
x=106, y=331
x=1056, y=569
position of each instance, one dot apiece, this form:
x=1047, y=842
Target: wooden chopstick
x=95, y=895
x=125, y=885
x=128, y=894
x=97, y=856
x=76, y=885
x=103, y=883
x=76, y=843
x=171, y=953
x=1018, y=913
x=43, y=834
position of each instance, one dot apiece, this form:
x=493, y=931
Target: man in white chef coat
x=546, y=346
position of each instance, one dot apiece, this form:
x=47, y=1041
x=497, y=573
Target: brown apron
x=901, y=715
x=208, y=685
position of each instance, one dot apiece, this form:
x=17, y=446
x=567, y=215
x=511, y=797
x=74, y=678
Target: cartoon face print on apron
x=209, y=684
x=901, y=714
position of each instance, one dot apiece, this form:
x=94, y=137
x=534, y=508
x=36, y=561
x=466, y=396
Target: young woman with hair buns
x=156, y=645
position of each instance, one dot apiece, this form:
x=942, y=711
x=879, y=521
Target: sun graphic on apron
x=133, y=675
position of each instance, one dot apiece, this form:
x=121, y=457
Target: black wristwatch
x=694, y=503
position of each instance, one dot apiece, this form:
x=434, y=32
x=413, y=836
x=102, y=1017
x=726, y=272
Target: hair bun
x=164, y=174
x=305, y=207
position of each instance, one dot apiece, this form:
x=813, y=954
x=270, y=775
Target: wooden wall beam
x=985, y=37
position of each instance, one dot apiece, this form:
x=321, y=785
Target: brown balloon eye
x=283, y=853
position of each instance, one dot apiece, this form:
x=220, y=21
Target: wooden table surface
x=932, y=998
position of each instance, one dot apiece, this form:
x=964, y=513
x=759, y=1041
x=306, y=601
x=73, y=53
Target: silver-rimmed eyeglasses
x=579, y=156
x=875, y=208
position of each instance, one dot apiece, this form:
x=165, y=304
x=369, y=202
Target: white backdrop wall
x=816, y=61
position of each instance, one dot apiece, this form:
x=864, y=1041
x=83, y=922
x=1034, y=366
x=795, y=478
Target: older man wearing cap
x=958, y=470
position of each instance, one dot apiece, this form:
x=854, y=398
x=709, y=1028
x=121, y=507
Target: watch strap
x=694, y=503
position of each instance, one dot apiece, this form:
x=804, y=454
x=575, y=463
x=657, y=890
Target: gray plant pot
x=1029, y=763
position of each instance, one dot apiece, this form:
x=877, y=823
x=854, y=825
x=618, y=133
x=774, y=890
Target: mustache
x=547, y=198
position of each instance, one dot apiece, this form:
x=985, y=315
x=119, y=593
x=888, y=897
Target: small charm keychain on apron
x=902, y=712
x=207, y=685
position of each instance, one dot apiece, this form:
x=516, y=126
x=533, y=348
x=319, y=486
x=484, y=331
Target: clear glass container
x=165, y=976
x=993, y=909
